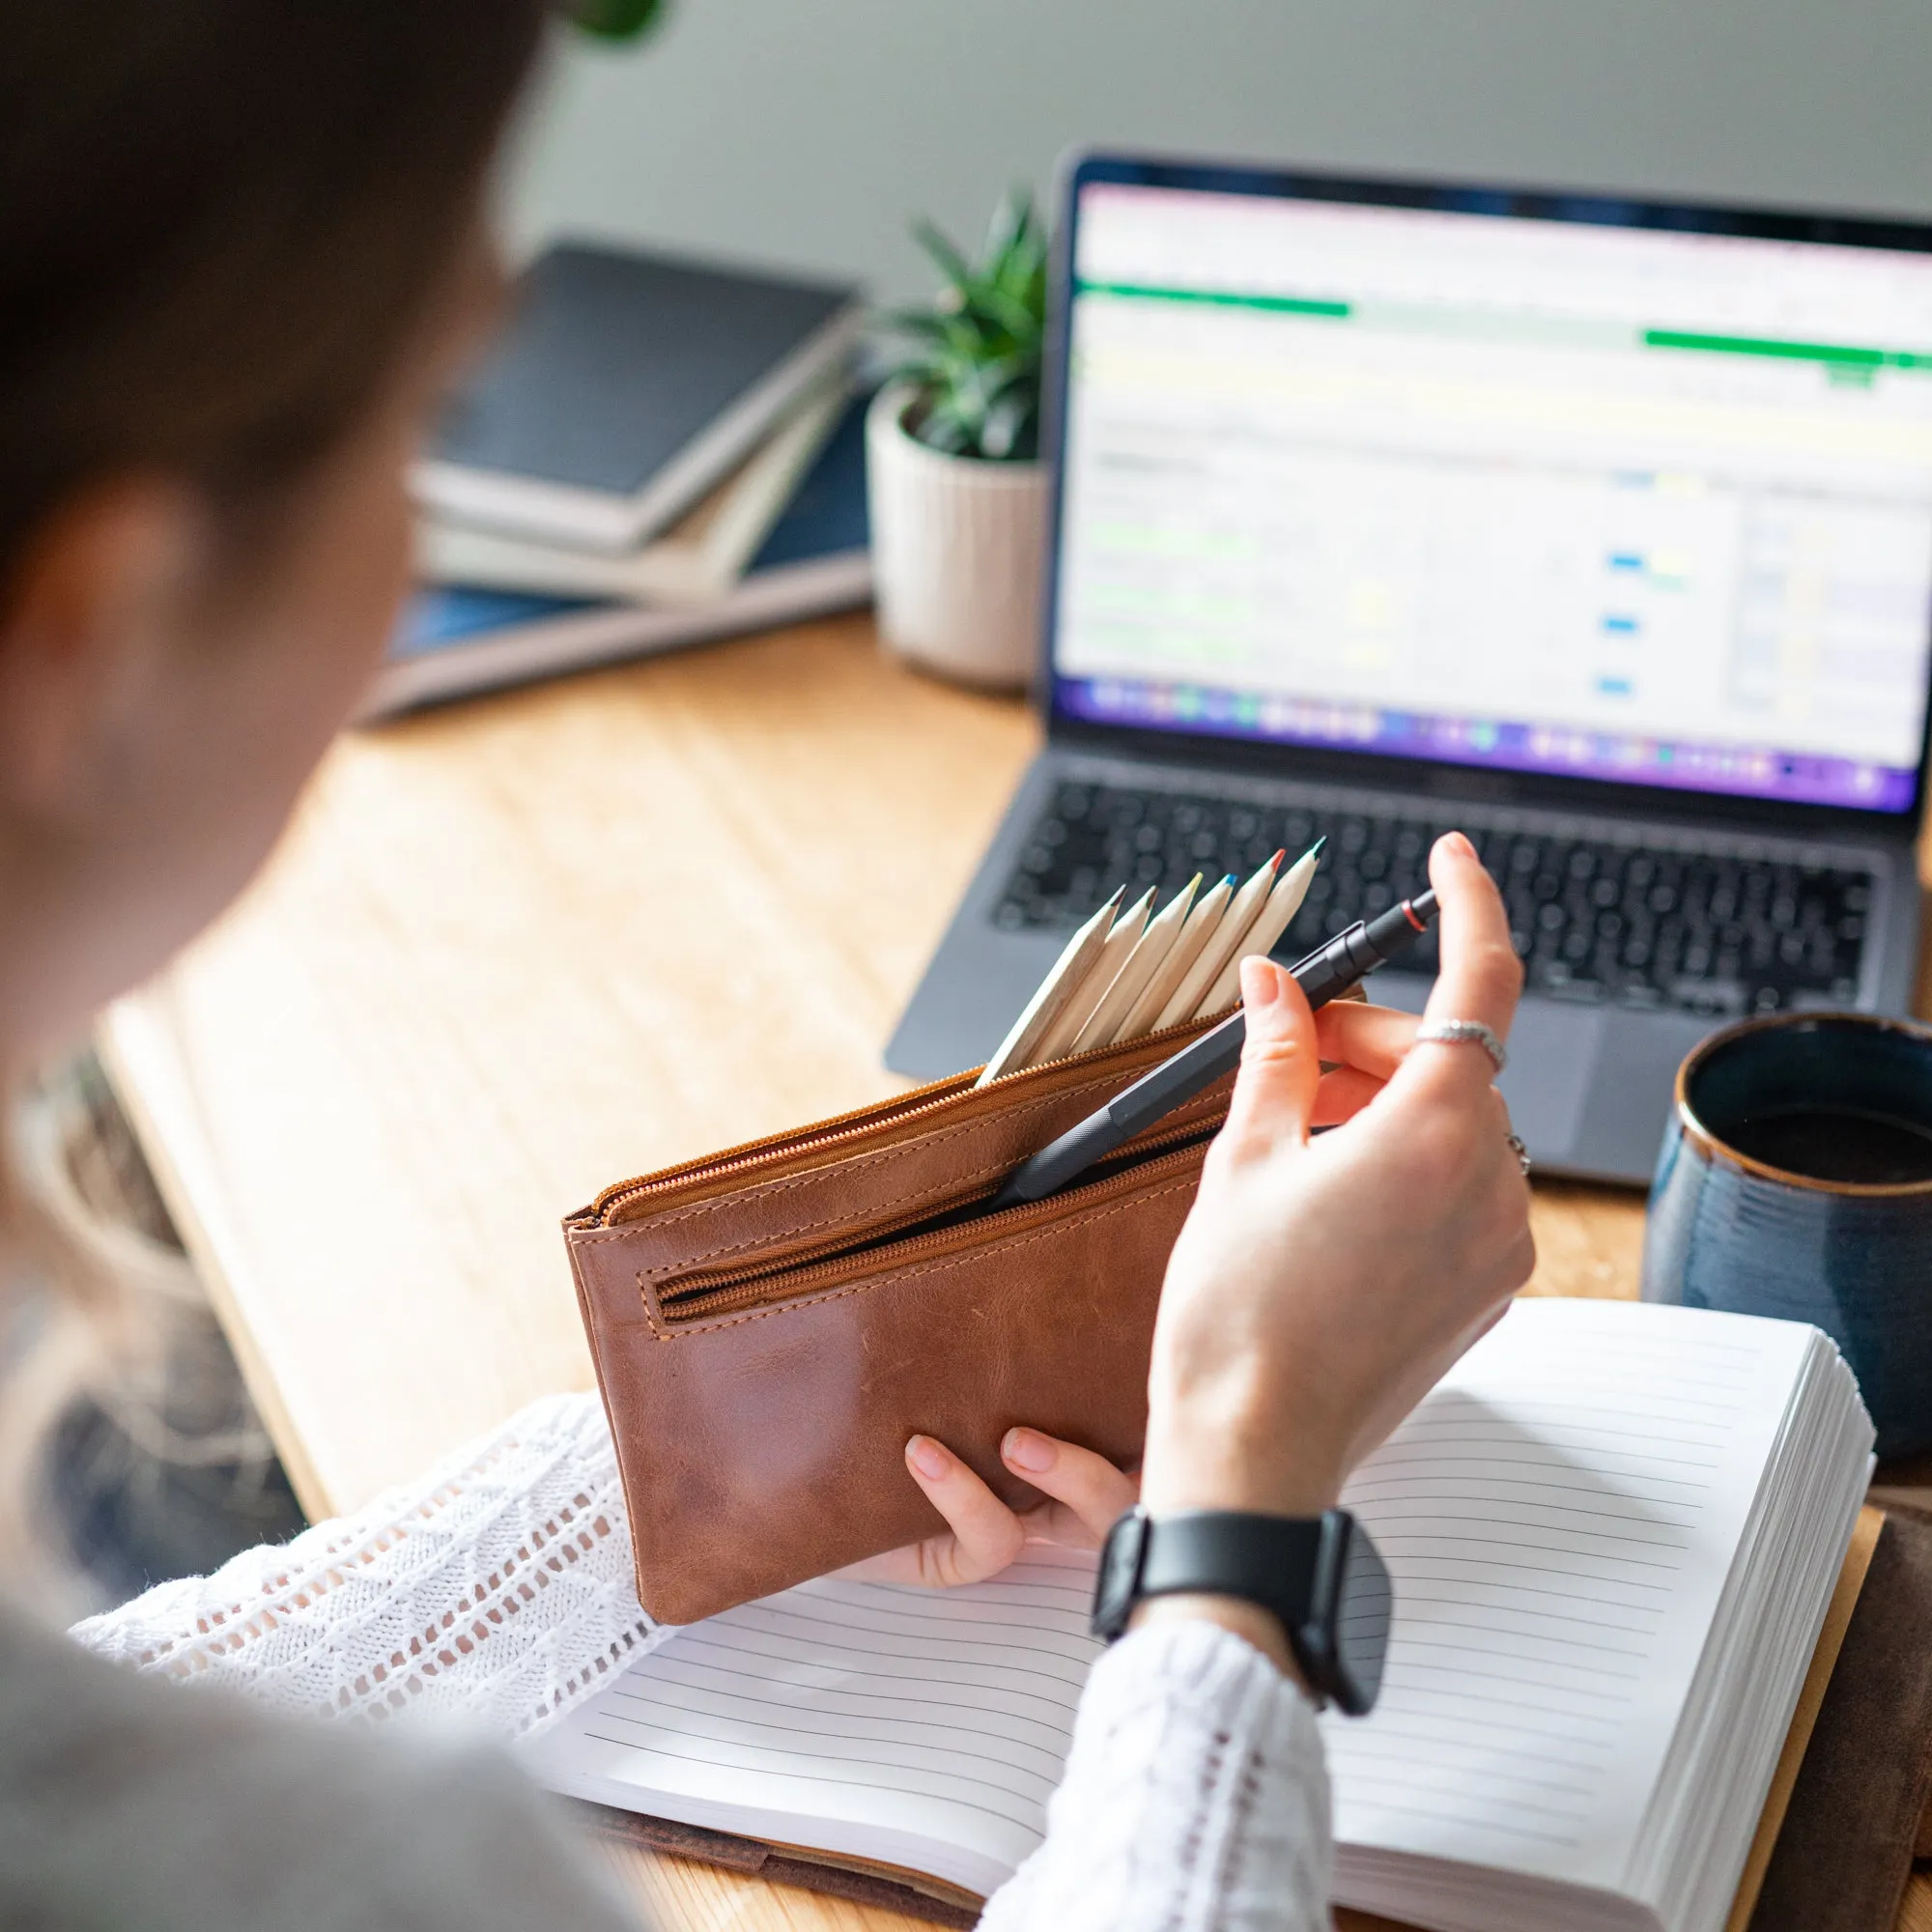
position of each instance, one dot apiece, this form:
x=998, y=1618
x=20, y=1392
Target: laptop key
x=1594, y=920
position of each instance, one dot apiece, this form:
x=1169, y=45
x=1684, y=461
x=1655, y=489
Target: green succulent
x=973, y=358
x=618, y=19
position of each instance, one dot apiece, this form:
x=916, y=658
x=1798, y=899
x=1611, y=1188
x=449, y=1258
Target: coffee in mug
x=1796, y=1181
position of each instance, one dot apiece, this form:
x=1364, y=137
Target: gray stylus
x=1331, y=968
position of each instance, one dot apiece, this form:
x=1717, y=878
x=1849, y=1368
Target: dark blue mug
x=1796, y=1181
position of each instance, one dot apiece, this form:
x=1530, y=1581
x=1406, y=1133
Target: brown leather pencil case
x=772, y=1324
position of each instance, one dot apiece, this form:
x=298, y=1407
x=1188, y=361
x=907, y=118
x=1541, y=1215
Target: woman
x=240, y=253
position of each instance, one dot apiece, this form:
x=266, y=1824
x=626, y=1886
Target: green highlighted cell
x=1335, y=311
x=1129, y=539
x=1846, y=361
x=1834, y=354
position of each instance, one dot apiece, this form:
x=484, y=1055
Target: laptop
x=1600, y=529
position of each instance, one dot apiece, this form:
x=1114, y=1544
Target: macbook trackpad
x=1554, y=1049
x=1587, y=1087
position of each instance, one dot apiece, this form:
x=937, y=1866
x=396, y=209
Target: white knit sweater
x=499, y=1588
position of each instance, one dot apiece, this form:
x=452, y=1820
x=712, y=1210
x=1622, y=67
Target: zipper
x=752, y=1285
x=859, y=1122
x=755, y=1153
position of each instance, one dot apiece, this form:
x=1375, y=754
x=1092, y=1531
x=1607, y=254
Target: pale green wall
x=807, y=131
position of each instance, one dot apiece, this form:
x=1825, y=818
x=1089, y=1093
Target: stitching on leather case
x=810, y=1174
x=846, y=1167
x=813, y=1227
x=664, y=1334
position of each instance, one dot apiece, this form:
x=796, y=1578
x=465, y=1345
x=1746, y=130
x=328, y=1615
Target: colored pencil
x=1124, y=936
x=1186, y=998
x=1269, y=924
x=1058, y=987
x=1199, y=926
x=1143, y=963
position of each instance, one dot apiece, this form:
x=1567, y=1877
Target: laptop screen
x=1627, y=502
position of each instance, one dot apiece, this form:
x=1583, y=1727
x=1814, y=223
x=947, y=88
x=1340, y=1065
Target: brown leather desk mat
x=1846, y=1849
x=1839, y=1863
x=781, y=1864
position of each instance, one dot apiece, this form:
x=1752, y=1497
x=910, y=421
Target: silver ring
x=1465, y=1032
x=1516, y=1147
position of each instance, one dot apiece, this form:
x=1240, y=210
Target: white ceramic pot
x=957, y=545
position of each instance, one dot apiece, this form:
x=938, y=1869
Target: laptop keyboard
x=1595, y=919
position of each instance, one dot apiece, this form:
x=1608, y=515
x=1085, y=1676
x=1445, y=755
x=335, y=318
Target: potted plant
x=618, y=19
x=957, y=489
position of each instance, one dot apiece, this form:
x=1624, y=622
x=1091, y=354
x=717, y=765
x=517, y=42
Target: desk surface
x=518, y=950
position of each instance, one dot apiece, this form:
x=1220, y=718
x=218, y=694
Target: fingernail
x=928, y=1457
x=1025, y=1449
x=1261, y=985
x=1458, y=843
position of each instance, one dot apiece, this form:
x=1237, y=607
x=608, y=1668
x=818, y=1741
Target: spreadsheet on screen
x=1619, y=501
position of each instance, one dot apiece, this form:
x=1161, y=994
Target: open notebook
x=1614, y=1531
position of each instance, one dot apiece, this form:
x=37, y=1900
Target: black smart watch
x=1321, y=1576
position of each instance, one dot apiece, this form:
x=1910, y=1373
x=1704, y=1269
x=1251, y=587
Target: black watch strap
x=1321, y=1576
x=1271, y=1561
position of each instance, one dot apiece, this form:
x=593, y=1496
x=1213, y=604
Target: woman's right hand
x=1321, y=1285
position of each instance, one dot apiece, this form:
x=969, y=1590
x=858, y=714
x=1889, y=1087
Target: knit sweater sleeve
x=1195, y=1800
x=496, y=1588
x=499, y=1589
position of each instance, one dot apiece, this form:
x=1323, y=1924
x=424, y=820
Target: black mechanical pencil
x=1348, y=959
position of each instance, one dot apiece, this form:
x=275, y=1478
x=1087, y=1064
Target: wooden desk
x=518, y=950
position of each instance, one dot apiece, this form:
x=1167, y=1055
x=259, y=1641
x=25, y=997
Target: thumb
x=1281, y=1065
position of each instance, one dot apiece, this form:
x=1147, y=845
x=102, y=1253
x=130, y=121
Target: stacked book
x=657, y=452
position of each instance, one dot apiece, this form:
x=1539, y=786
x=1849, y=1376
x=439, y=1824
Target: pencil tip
x=1314, y=849
x=1227, y=879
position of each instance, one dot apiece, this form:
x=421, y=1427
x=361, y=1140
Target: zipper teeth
x=921, y=1101
x=631, y=1190
x=750, y=1287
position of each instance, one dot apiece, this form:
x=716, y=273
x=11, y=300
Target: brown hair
x=221, y=219
x=221, y=224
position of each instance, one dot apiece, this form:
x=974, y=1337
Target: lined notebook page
x=1559, y=1517
x=916, y=1727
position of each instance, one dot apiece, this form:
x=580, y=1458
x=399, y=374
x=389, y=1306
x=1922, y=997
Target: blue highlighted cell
x=1620, y=627
x=1614, y=686
x=1626, y=560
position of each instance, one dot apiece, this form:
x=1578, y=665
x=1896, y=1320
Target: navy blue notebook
x=624, y=384
x=454, y=641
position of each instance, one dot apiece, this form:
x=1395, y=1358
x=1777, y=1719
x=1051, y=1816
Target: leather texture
x=771, y=1324
x=1846, y=1850
x=909, y=1892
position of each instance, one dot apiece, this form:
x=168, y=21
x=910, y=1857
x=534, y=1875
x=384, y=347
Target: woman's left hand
x=1084, y=1494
